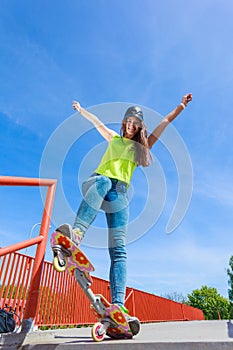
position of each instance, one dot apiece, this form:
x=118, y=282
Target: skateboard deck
x=77, y=258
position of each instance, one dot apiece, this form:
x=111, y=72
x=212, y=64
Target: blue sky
x=144, y=52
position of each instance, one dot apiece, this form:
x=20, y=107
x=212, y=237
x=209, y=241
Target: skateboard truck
x=85, y=284
x=60, y=254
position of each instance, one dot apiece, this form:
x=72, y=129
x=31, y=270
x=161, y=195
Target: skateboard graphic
x=67, y=255
x=111, y=320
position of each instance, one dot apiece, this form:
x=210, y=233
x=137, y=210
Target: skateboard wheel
x=135, y=326
x=97, y=332
x=60, y=267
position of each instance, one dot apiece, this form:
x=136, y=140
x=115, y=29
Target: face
x=133, y=125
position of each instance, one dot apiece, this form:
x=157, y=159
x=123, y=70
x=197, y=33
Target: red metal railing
x=33, y=293
x=49, y=298
x=62, y=302
x=15, y=277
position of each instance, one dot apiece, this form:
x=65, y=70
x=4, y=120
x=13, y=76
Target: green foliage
x=213, y=305
x=230, y=284
x=230, y=280
x=14, y=292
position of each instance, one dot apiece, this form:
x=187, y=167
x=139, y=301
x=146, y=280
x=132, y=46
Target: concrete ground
x=190, y=335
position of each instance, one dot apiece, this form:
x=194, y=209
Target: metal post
x=33, y=295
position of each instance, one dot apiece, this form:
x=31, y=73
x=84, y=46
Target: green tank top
x=118, y=162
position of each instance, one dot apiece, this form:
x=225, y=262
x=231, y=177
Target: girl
x=107, y=187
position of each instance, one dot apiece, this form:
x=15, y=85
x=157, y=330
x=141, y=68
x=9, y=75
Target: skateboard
x=111, y=320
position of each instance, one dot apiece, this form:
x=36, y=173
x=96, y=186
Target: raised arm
x=156, y=133
x=100, y=126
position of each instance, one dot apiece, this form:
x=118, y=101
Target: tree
x=213, y=305
x=230, y=284
x=175, y=296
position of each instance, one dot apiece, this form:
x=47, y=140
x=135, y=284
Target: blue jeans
x=110, y=195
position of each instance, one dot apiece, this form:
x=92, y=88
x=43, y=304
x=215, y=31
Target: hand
x=76, y=106
x=187, y=98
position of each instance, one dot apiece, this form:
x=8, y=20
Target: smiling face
x=132, y=126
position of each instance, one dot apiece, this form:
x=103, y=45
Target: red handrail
x=21, y=245
x=41, y=240
x=25, y=181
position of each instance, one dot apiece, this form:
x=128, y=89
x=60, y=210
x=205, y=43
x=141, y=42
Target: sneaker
x=126, y=314
x=75, y=235
x=133, y=321
x=124, y=310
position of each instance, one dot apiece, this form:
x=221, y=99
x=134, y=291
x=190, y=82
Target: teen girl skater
x=106, y=188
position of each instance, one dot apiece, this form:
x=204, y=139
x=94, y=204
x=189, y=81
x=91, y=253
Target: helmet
x=134, y=111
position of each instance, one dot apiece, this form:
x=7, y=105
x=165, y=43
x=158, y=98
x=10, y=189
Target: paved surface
x=190, y=335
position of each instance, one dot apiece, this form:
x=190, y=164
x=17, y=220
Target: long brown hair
x=142, y=151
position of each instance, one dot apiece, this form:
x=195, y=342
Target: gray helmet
x=134, y=111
